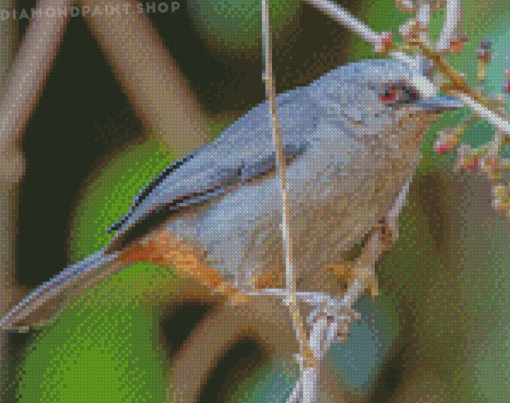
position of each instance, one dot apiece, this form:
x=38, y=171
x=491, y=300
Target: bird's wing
x=243, y=152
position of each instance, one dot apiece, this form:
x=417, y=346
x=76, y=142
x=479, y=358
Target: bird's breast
x=339, y=189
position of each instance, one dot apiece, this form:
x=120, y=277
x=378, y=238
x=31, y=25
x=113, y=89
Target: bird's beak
x=439, y=104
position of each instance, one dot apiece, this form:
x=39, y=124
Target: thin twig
x=449, y=32
x=423, y=17
x=423, y=14
x=311, y=376
x=498, y=122
x=308, y=357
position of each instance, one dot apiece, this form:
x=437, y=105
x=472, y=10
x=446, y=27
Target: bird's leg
x=363, y=270
x=331, y=317
x=359, y=274
x=383, y=236
x=330, y=320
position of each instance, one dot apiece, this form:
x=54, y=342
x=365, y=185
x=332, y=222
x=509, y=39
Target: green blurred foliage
x=109, y=195
x=104, y=347
x=236, y=26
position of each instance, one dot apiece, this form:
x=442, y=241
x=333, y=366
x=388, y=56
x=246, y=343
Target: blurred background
x=88, y=150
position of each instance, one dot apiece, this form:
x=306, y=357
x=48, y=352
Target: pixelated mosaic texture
x=108, y=338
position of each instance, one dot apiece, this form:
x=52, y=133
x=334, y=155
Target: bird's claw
x=334, y=326
x=333, y=312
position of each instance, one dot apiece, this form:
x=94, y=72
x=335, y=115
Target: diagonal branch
x=162, y=98
x=344, y=17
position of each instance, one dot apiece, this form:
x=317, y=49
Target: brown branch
x=22, y=83
x=149, y=76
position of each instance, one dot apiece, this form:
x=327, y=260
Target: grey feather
x=245, y=150
x=350, y=153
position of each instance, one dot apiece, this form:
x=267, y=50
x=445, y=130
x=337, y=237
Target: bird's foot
x=329, y=323
x=331, y=314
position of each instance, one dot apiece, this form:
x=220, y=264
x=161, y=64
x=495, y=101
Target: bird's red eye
x=390, y=94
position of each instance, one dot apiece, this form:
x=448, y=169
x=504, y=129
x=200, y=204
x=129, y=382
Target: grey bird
x=351, y=139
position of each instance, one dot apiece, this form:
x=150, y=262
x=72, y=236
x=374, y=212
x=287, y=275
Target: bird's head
x=390, y=103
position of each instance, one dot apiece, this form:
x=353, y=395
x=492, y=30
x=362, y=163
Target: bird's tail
x=47, y=300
